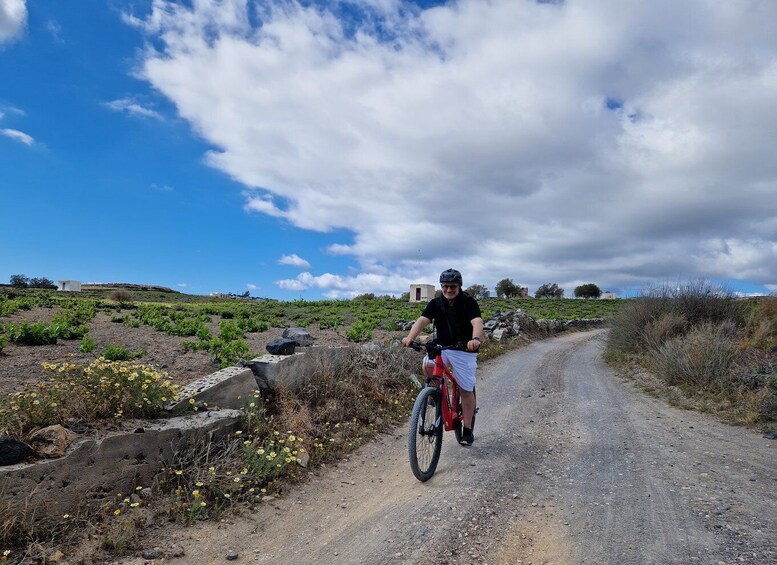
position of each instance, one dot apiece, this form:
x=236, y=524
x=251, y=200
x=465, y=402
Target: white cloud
x=133, y=108
x=616, y=142
x=295, y=261
x=17, y=135
x=182, y=285
x=250, y=286
x=338, y=286
x=162, y=187
x=55, y=30
x=13, y=16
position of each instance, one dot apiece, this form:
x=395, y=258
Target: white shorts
x=462, y=365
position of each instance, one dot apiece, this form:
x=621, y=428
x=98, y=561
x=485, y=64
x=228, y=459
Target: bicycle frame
x=444, y=379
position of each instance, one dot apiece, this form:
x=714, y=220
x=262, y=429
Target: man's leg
x=467, y=407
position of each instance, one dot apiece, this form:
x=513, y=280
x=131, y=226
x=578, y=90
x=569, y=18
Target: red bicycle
x=437, y=408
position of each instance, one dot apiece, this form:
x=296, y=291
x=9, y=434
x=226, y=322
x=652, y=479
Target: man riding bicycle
x=457, y=319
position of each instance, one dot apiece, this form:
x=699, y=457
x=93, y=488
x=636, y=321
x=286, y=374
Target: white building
x=421, y=292
x=608, y=296
x=69, y=286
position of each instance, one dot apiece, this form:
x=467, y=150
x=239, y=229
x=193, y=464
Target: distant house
x=608, y=296
x=421, y=292
x=69, y=286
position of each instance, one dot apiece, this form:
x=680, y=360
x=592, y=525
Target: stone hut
x=421, y=292
x=69, y=286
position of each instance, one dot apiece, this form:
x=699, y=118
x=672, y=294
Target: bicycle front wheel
x=425, y=433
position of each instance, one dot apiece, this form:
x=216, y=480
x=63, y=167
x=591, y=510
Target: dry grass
x=701, y=359
x=705, y=351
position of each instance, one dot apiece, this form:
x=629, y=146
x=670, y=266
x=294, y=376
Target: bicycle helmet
x=451, y=276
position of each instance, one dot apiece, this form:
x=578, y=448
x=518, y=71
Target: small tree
x=549, y=291
x=506, y=288
x=20, y=281
x=478, y=291
x=41, y=282
x=589, y=290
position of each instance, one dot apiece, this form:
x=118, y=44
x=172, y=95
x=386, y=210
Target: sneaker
x=467, y=437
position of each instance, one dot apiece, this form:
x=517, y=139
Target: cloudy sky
x=330, y=148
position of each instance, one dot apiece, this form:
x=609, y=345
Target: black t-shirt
x=453, y=322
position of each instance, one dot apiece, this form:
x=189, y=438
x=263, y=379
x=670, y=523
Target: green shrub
x=65, y=327
x=31, y=334
x=251, y=325
x=186, y=327
x=87, y=345
x=203, y=334
x=360, y=331
x=3, y=343
x=119, y=353
x=229, y=345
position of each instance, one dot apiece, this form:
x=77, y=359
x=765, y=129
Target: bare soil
x=21, y=365
x=571, y=465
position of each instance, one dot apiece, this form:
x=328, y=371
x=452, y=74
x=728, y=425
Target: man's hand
x=473, y=345
x=406, y=341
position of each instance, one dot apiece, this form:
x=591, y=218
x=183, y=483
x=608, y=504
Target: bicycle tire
x=425, y=433
x=457, y=426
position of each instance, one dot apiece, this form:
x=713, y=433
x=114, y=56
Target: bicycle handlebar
x=434, y=348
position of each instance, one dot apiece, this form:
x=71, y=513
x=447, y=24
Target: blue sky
x=327, y=149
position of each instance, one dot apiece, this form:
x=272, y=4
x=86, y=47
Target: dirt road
x=570, y=465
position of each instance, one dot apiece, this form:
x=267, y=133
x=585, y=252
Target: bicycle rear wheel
x=425, y=433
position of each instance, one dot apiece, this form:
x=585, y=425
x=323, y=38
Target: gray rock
x=281, y=346
x=155, y=553
x=12, y=451
x=232, y=555
x=300, y=336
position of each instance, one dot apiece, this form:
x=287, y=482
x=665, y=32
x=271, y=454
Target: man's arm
x=417, y=328
x=477, y=334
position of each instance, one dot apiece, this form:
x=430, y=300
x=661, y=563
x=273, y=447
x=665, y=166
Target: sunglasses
x=450, y=286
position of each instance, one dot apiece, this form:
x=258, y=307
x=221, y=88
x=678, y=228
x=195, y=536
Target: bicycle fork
x=424, y=430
